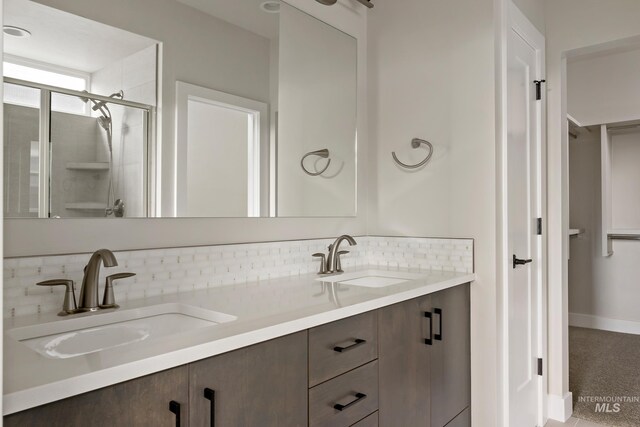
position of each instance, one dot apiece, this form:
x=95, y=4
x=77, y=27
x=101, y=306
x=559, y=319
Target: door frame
x=258, y=153
x=511, y=18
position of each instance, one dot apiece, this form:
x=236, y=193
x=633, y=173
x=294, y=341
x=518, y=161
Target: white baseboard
x=560, y=408
x=603, y=323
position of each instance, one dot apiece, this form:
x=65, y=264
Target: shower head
x=104, y=122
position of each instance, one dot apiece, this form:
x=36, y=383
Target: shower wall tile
x=74, y=138
x=175, y=270
x=139, y=69
x=128, y=74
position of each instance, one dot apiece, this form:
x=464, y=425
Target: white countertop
x=265, y=310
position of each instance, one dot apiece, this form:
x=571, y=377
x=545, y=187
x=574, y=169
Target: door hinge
x=539, y=226
x=538, y=84
x=540, y=366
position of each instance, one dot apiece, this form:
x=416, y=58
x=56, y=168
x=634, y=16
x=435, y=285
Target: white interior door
x=523, y=203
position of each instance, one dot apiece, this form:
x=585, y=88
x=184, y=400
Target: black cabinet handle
x=429, y=341
x=211, y=396
x=517, y=261
x=359, y=397
x=175, y=408
x=438, y=336
x=355, y=344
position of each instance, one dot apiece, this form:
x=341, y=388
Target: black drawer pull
x=355, y=344
x=429, y=341
x=175, y=408
x=359, y=397
x=211, y=396
x=438, y=336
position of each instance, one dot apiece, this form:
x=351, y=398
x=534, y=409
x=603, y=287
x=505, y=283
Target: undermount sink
x=372, y=278
x=89, y=334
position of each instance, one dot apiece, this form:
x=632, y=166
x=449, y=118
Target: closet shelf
x=624, y=231
x=86, y=206
x=88, y=166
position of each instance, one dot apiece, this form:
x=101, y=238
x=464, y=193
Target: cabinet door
x=450, y=355
x=262, y=385
x=404, y=364
x=141, y=402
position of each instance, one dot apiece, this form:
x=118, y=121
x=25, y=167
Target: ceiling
x=243, y=13
x=67, y=40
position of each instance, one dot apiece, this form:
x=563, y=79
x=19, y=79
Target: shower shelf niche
x=88, y=166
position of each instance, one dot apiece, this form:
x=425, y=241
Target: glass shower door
x=98, y=160
x=23, y=162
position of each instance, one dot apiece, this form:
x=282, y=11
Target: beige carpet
x=605, y=367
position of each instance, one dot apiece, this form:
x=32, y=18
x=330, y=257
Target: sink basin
x=89, y=334
x=372, y=278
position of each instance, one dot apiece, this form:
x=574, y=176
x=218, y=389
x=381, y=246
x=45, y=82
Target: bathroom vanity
x=404, y=363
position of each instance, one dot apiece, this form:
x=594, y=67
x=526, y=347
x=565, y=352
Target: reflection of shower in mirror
x=105, y=120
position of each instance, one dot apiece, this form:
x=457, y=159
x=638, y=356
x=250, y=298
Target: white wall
x=432, y=75
x=604, y=88
x=570, y=24
x=177, y=26
x=605, y=287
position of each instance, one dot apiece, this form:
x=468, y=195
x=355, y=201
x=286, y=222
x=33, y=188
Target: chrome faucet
x=334, y=253
x=89, y=291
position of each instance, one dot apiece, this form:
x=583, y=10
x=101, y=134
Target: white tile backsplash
x=168, y=271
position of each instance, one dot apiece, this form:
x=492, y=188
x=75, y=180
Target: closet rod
x=623, y=127
x=624, y=236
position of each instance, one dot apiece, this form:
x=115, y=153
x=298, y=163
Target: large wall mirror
x=102, y=122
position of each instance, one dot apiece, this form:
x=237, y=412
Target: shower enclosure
x=73, y=153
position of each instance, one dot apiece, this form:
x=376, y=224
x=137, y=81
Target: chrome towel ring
x=415, y=143
x=324, y=153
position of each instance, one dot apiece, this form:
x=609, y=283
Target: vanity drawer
x=345, y=400
x=340, y=346
x=370, y=421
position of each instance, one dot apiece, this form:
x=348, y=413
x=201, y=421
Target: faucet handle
x=323, y=263
x=338, y=263
x=69, y=305
x=108, y=300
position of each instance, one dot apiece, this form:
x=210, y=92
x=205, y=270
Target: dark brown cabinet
x=261, y=385
x=404, y=361
x=140, y=402
x=450, y=355
x=424, y=359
